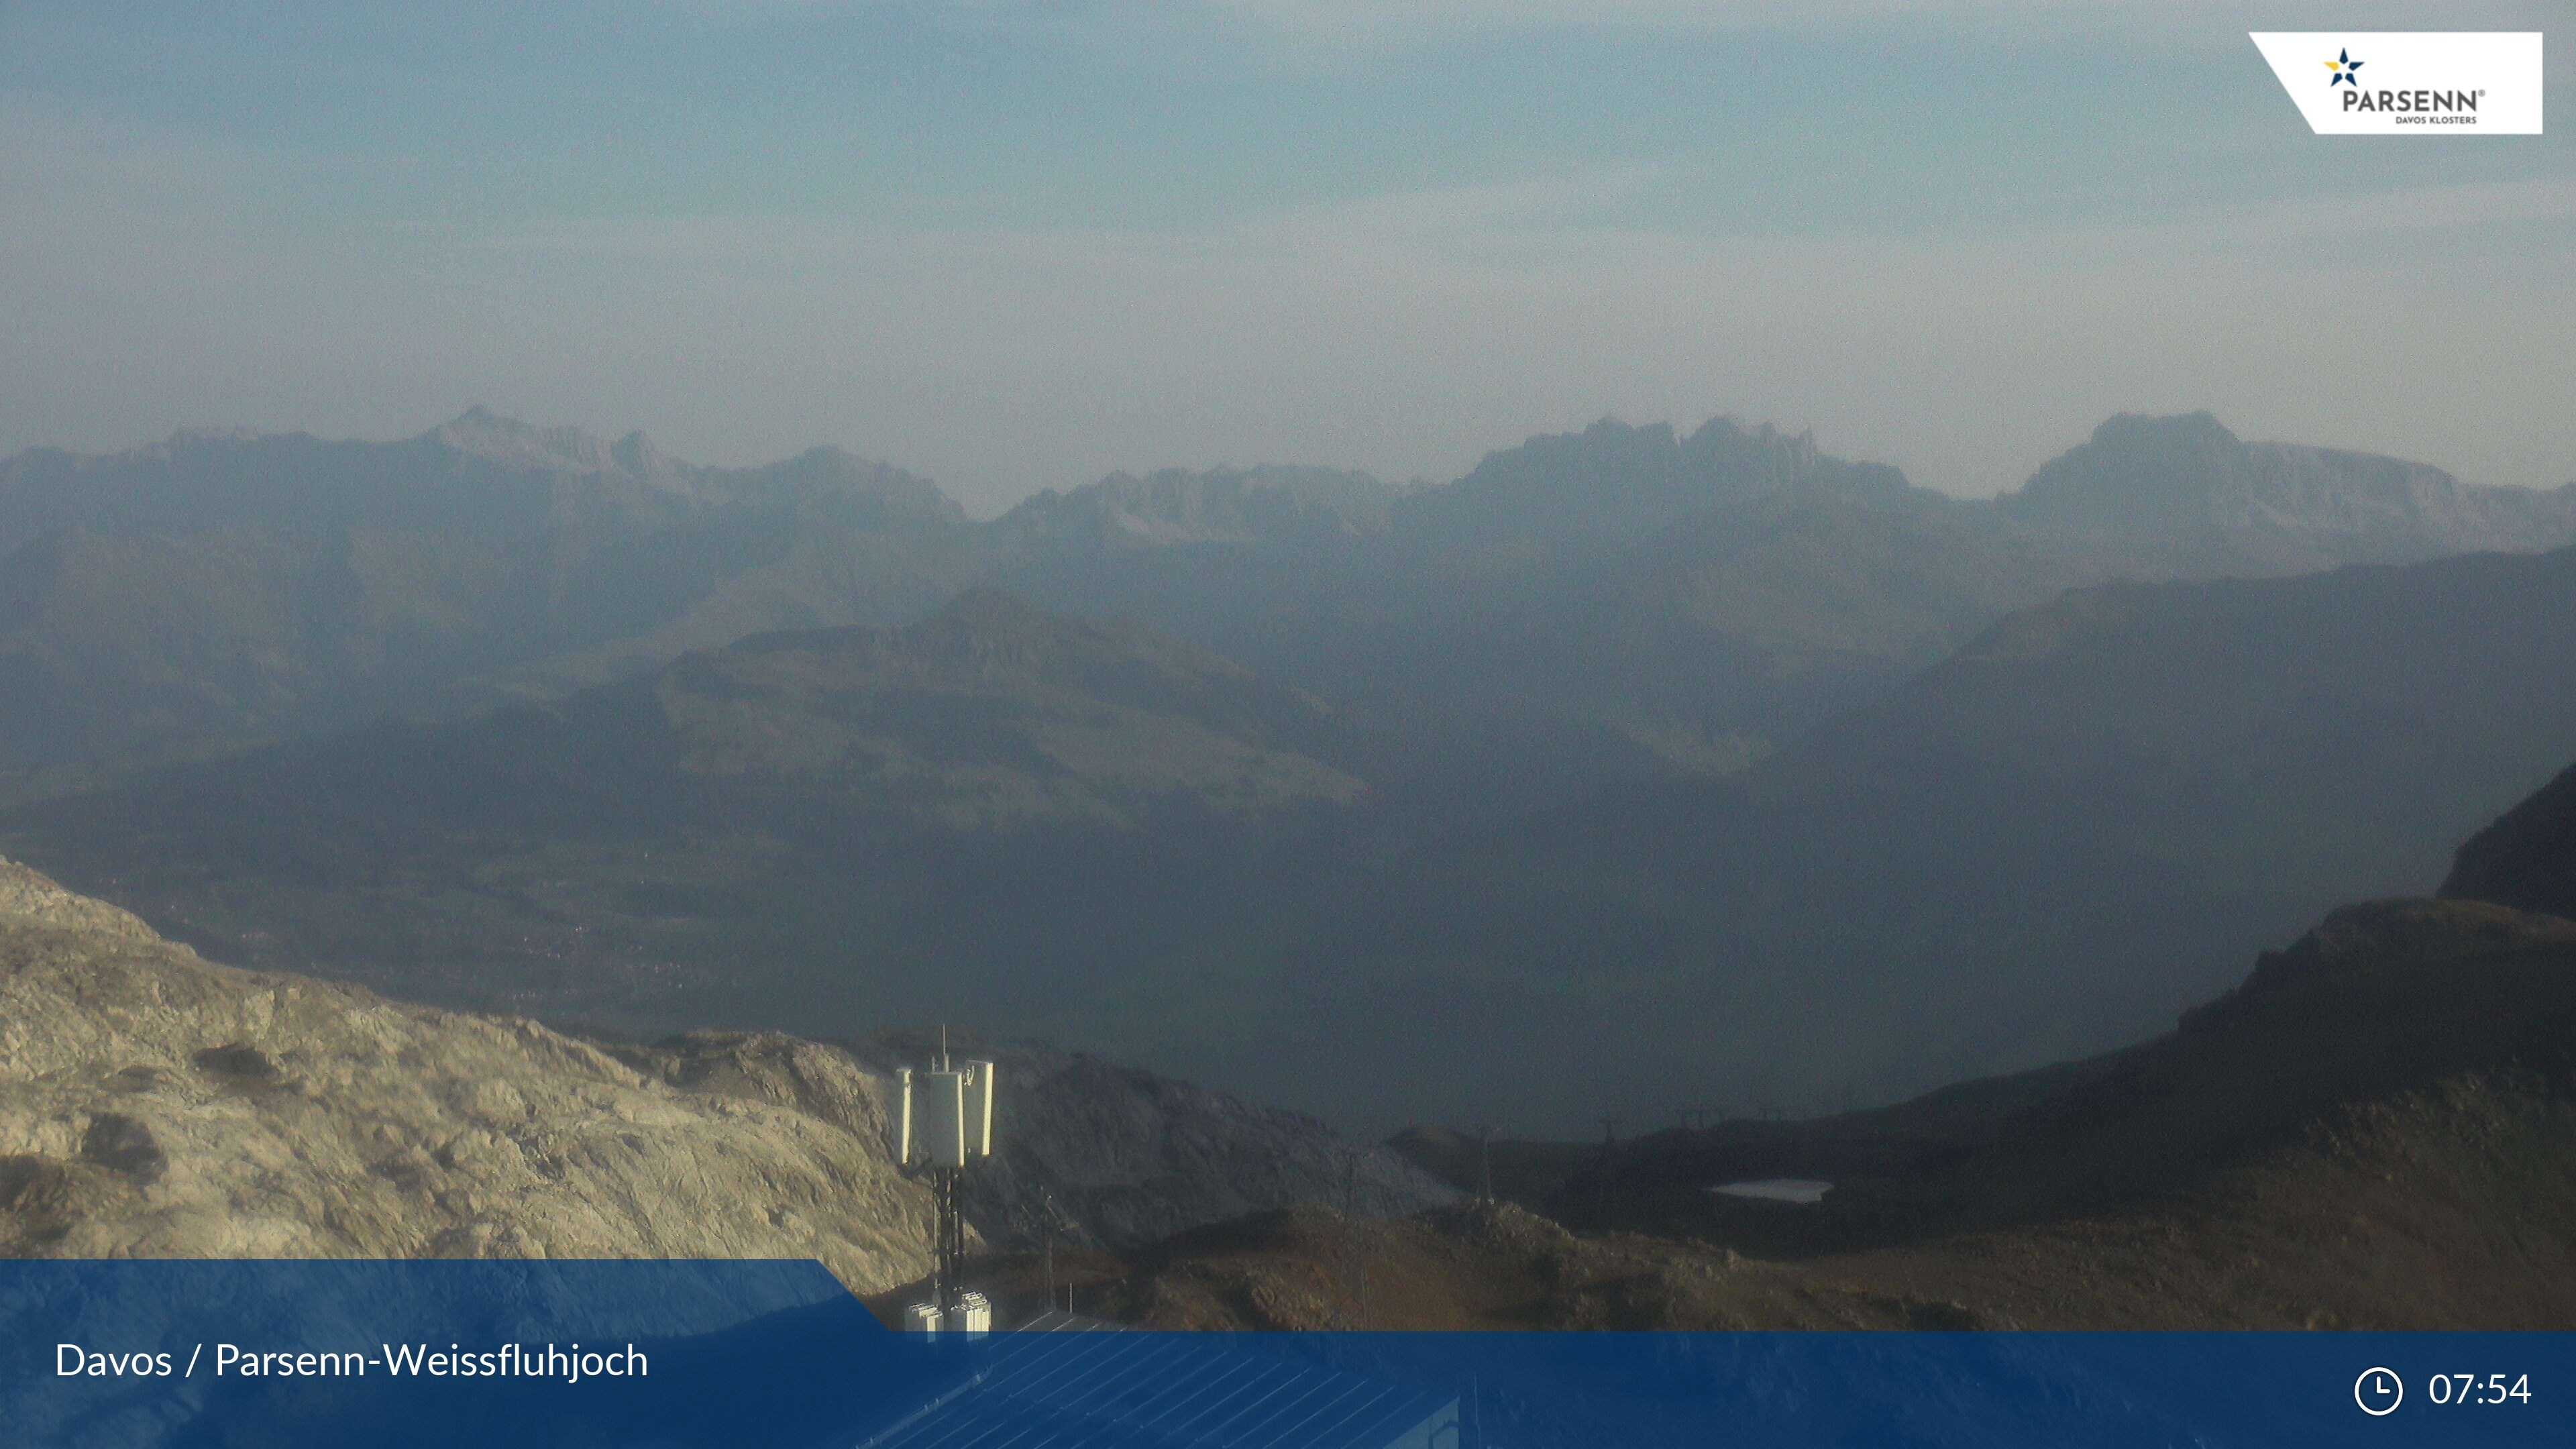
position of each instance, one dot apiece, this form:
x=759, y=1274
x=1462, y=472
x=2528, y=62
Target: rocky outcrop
x=153, y=1103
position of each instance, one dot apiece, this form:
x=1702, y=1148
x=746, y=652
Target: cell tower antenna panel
x=946, y=1116
x=941, y=1124
x=979, y=1109
x=903, y=1118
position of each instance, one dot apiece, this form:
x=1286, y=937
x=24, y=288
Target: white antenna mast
x=945, y=1122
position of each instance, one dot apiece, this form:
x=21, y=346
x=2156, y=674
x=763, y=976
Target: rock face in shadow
x=2527, y=859
x=2376, y=1129
x=153, y=1103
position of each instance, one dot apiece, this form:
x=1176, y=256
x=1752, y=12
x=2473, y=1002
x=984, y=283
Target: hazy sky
x=1017, y=245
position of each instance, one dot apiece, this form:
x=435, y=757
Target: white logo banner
x=2455, y=83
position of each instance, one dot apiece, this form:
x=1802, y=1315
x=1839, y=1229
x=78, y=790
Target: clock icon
x=2378, y=1392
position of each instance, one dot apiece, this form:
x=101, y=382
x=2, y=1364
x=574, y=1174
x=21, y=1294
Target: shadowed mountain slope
x=2377, y=1129
x=988, y=711
x=2380, y=1000
x=1174, y=508
x=2527, y=859
x=219, y=587
x=2038, y=848
x=1613, y=483
x=995, y=814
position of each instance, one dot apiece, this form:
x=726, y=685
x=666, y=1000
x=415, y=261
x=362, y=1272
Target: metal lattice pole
x=948, y=1271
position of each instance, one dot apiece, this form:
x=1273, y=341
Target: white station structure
x=945, y=1123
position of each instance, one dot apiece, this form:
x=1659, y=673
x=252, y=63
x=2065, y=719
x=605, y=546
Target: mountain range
x=1626, y=600
x=221, y=587
x=1681, y=767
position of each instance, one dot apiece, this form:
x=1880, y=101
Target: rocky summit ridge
x=153, y=1103
x=157, y=1104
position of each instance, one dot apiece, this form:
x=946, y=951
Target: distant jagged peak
x=2145, y=478
x=1602, y=436
x=2137, y=470
x=482, y=433
x=2155, y=440
x=636, y=454
x=1726, y=428
x=1760, y=454
x=1611, y=436
x=1616, y=479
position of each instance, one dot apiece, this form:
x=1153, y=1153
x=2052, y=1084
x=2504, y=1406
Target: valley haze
x=1694, y=767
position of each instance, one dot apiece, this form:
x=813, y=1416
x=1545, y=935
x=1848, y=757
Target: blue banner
x=662, y=1355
